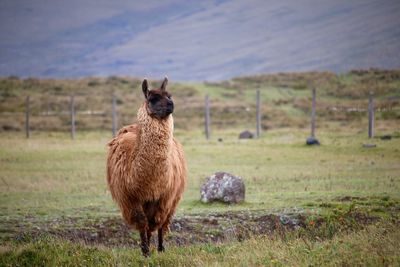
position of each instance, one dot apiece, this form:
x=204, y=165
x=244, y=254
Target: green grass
x=375, y=245
x=52, y=174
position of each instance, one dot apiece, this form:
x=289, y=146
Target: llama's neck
x=156, y=138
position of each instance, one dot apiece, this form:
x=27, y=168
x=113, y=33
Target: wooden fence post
x=72, y=117
x=258, y=114
x=314, y=96
x=207, y=117
x=27, y=114
x=114, y=115
x=312, y=140
x=371, y=115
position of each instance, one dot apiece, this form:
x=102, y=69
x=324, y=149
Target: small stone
x=94, y=235
x=246, y=135
x=312, y=141
x=369, y=145
x=386, y=137
x=178, y=227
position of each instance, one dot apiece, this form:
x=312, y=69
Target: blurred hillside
x=209, y=40
x=286, y=100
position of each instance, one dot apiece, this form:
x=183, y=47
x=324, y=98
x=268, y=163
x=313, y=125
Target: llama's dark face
x=159, y=101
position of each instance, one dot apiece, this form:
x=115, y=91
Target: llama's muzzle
x=170, y=107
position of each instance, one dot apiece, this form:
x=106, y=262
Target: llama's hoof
x=146, y=254
x=145, y=251
x=161, y=249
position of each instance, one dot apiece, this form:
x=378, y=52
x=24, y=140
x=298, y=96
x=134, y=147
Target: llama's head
x=158, y=101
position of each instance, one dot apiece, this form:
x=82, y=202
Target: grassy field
x=50, y=183
x=334, y=204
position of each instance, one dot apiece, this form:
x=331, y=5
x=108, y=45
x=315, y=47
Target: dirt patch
x=188, y=229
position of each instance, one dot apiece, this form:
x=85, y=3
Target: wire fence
x=74, y=112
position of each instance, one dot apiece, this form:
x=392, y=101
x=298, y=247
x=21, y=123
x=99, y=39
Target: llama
x=146, y=167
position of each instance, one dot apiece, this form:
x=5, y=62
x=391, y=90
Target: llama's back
x=120, y=155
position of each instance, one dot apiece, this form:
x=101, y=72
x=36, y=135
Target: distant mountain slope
x=204, y=40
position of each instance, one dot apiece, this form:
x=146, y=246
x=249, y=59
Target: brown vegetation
x=285, y=98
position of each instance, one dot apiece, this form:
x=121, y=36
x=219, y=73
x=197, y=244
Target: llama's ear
x=145, y=88
x=164, y=84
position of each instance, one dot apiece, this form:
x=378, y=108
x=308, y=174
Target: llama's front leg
x=160, y=247
x=148, y=237
x=144, y=245
x=140, y=220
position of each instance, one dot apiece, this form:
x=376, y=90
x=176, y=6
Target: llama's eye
x=153, y=100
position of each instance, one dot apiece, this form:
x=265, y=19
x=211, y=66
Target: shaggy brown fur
x=146, y=170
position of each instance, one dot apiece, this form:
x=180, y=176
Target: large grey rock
x=224, y=187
